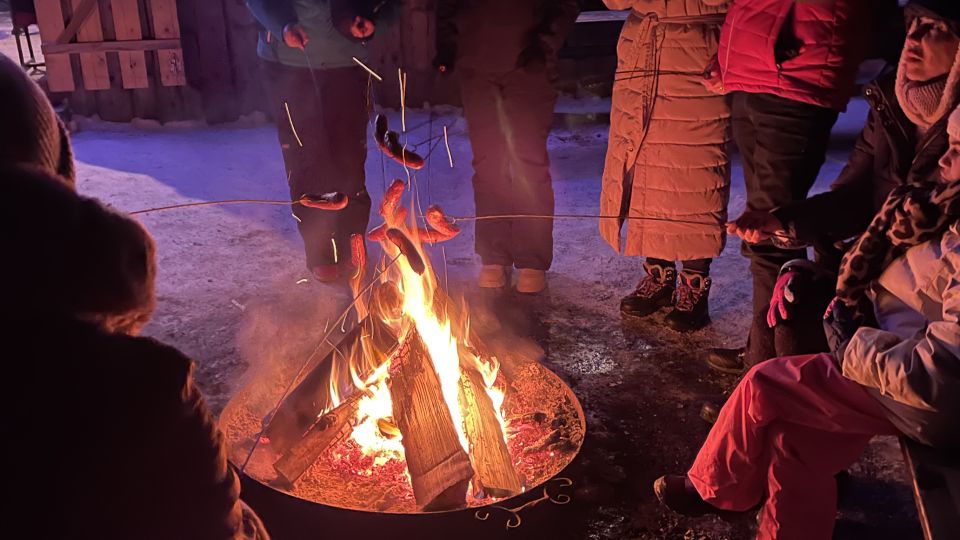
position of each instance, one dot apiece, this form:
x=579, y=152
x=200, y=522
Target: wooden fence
x=158, y=59
x=196, y=59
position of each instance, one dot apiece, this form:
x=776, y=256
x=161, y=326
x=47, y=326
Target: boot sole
x=683, y=329
x=724, y=369
x=644, y=314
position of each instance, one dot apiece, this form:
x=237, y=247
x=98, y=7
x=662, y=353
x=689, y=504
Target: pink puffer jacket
x=807, y=50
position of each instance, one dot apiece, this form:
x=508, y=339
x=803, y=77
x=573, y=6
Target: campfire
x=411, y=411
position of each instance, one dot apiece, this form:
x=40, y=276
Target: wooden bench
x=936, y=489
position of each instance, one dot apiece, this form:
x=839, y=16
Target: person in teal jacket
x=319, y=97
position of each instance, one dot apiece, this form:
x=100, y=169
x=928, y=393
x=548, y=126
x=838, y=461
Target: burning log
x=488, y=449
x=330, y=429
x=366, y=345
x=440, y=469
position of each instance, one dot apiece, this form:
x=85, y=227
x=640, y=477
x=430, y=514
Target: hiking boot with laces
x=690, y=309
x=654, y=291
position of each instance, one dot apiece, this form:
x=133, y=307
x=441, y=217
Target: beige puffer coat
x=667, y=157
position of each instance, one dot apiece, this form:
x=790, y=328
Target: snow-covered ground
x=233, y=295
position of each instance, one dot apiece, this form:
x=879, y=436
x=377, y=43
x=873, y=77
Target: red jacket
x=804, y=50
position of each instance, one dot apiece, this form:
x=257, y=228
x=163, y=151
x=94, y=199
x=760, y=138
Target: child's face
x=950, y=162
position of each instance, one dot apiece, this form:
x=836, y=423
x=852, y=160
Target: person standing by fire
x=506, y=53
x=667, y=159
x=320, y=102
x=788, y=68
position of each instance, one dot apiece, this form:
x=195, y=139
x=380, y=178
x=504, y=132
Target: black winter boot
x=654, y=291
x=691, y=310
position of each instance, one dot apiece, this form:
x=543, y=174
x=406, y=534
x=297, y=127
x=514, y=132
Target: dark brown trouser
x=509, y=117
x=782, y=144
x=324, y=150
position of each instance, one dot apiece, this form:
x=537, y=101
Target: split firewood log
x=367, y=346
x=440, y=469
x=488, y=448
x=330, y=429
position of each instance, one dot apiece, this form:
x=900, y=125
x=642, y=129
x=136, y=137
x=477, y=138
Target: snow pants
x=790, y=425
x=322, y=129
x=782, y=144
x=509, y=117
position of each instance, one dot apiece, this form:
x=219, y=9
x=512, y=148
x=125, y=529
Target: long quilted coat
x=667, y=157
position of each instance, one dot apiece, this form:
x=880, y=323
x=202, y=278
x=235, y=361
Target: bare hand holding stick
x=295, y=36
x=754, y=226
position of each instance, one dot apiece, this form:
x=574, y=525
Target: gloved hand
x=840, y=323
x=794, y=282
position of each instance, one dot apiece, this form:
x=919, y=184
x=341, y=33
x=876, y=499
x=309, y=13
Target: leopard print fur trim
x=911, y=215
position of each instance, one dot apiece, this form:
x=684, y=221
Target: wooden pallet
x=90, y=30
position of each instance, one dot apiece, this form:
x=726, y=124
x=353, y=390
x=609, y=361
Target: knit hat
x=31, y=132
x=71, y=256
x=947, y=11
x=925, y=103
x=953, y=124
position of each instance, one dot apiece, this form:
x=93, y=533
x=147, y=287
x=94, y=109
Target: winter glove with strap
x=840, y=323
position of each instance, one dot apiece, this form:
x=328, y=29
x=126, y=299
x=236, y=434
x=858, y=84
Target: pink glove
x=783, y=297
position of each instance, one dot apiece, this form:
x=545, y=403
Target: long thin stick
x=446, y=142
x=292, y=127
x=364, y=66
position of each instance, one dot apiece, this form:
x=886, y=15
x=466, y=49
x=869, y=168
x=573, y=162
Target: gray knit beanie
x=31, y=133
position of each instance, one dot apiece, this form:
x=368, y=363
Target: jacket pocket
x=787, y=46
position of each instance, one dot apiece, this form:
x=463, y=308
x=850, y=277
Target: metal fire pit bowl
x=342, y=492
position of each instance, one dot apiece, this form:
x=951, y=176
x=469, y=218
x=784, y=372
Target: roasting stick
x=364, y=66
x=303, y=366
x=454, y=218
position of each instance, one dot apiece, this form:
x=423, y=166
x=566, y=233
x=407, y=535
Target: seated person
x=112, y=437
x=904, y=136
x=795, y=422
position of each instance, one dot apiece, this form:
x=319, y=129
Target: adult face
x=950, y=162
x=930, y=49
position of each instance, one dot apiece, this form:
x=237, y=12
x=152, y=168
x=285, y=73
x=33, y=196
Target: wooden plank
x=114, y=104
x=329, y=429
x=113, y=46
x=242, y=42
x=126, y=24
x=219, y=94
x=96, y=75
x=603, y=16
x=488, y=449
x=165, y=26
x=367, y=346
x=59, y=70
x=81, y=12
x=440, y=469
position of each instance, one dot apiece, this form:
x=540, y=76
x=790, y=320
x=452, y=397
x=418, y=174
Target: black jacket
x=489, y=35
x=112, y=439
x=887, y=154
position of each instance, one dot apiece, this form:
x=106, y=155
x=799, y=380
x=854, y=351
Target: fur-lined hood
x=951, y=91
x=70, y=255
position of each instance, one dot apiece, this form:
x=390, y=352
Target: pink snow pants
x=790, y=425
